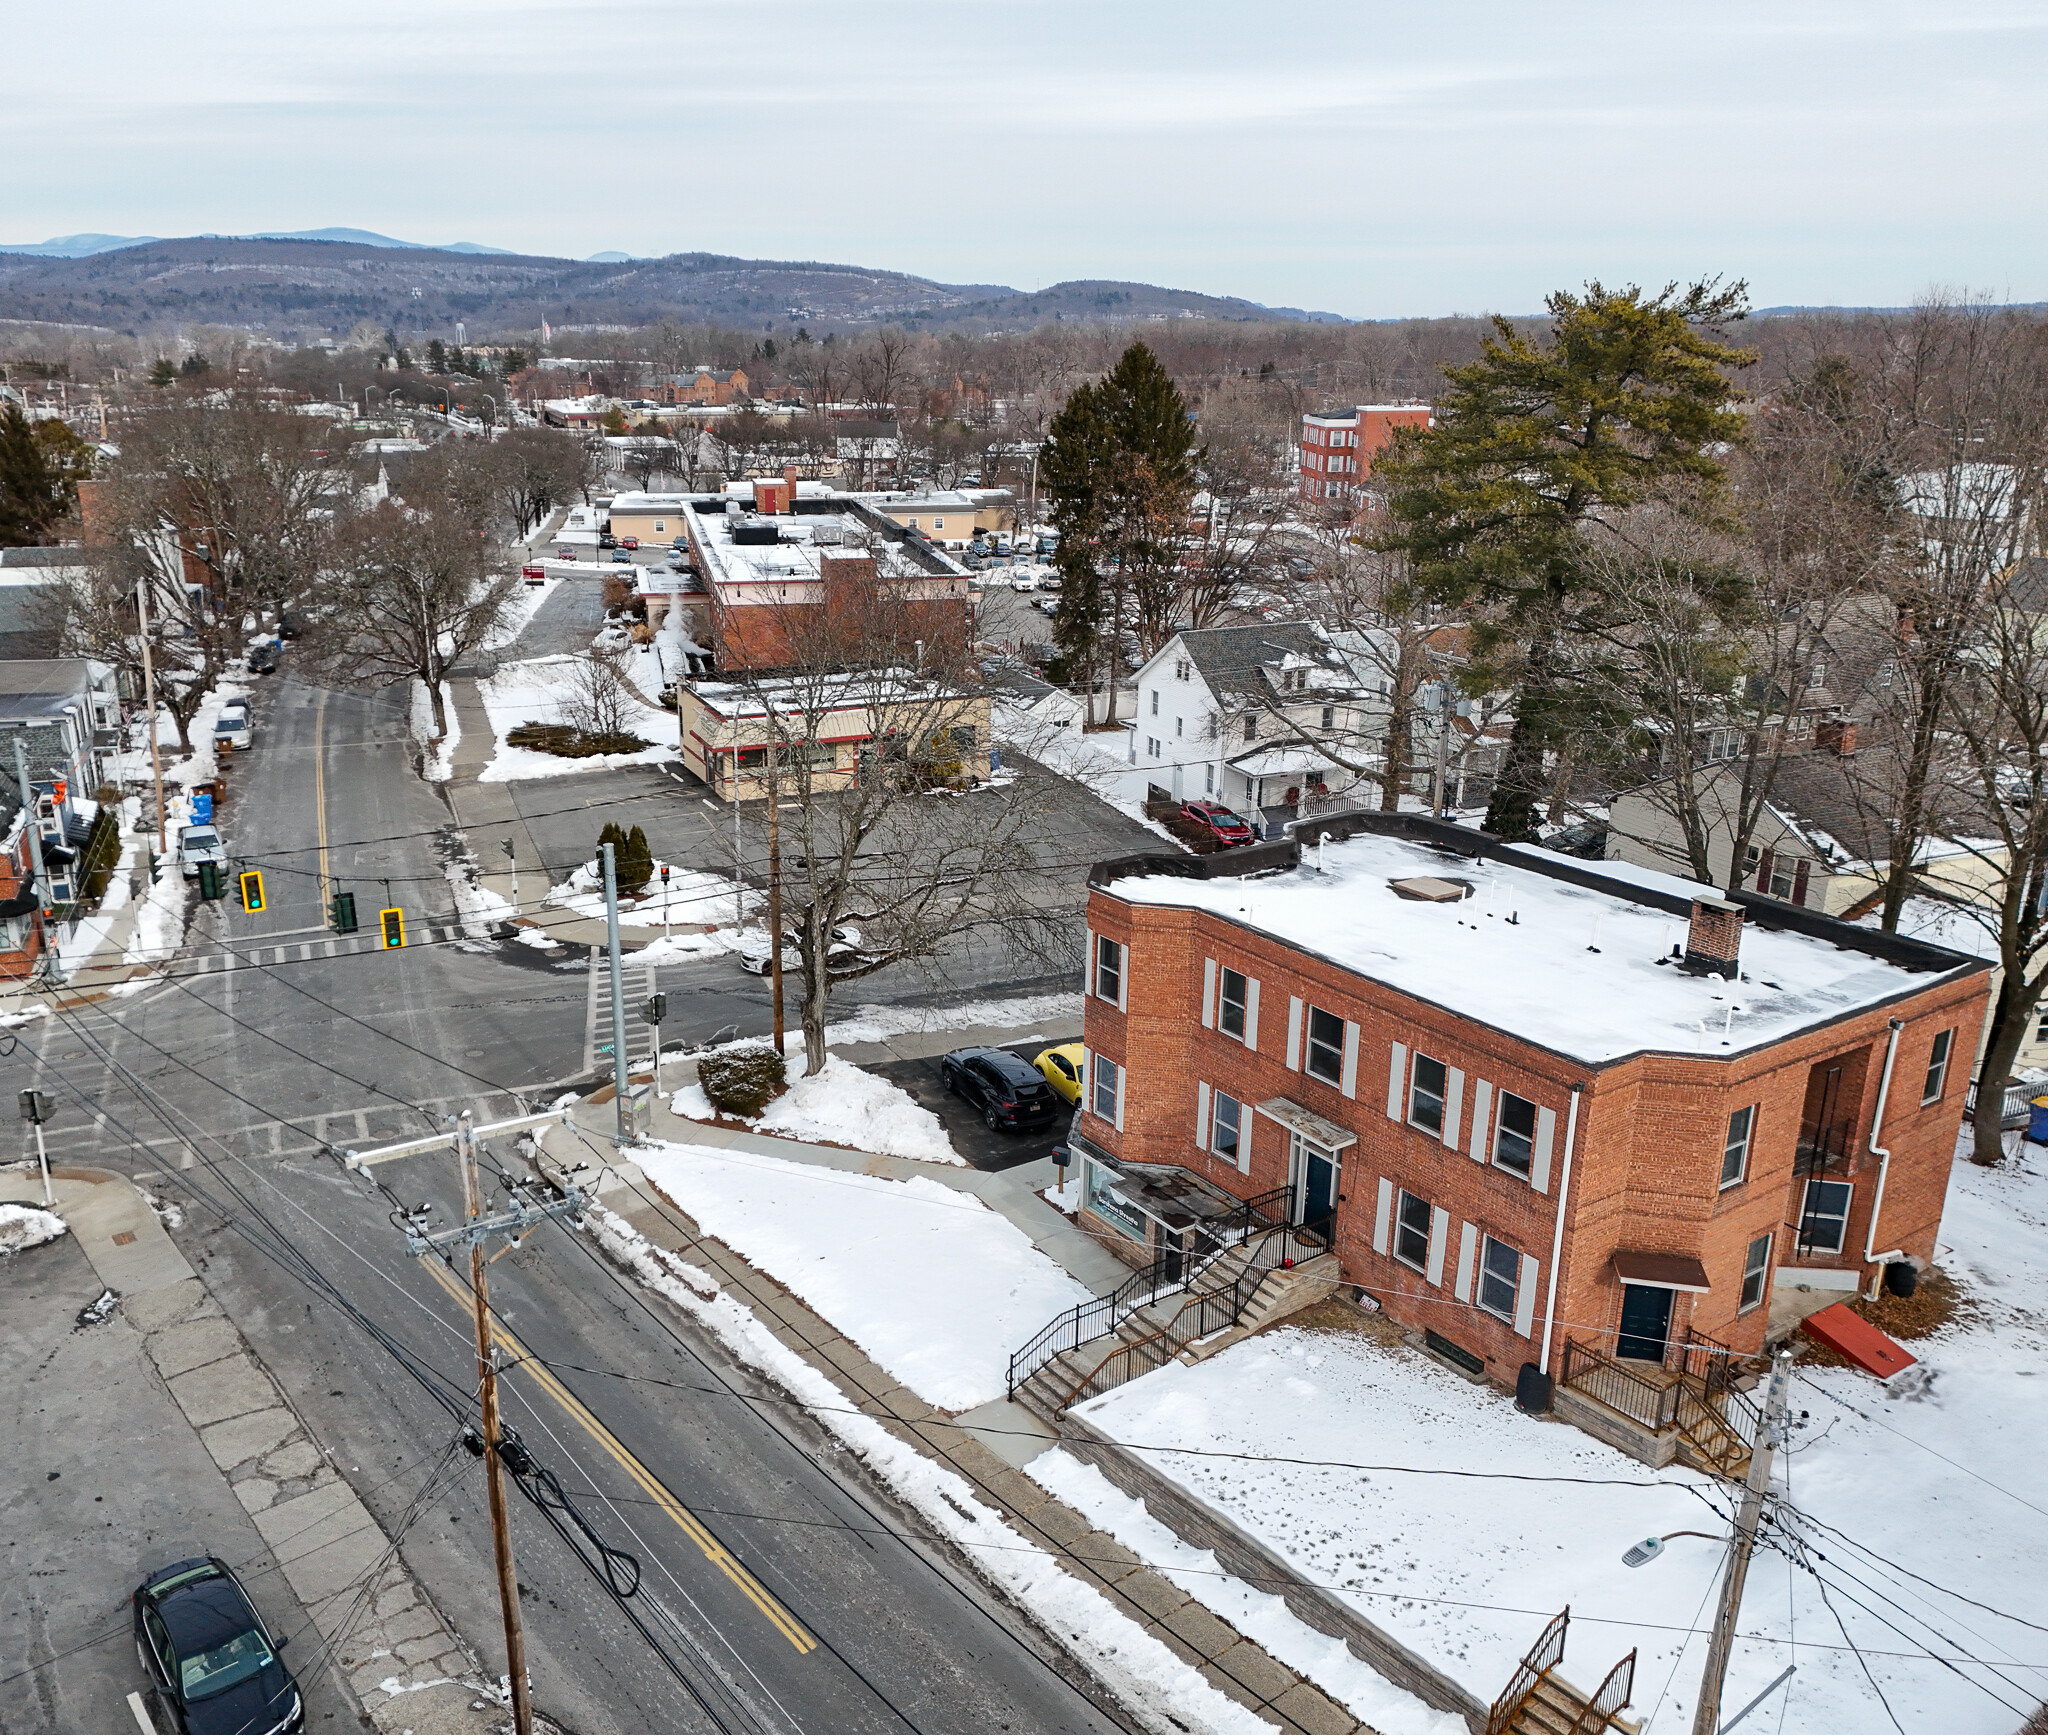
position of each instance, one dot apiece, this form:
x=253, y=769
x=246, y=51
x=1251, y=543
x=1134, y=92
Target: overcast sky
x=1370, y=159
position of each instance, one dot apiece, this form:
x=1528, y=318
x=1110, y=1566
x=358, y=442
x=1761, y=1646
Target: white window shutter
x=1202, y=1117
x=1384, y=1218
x=1251, y=1014
x=1349, y=1086
x=1294, y=1033
x=1088, y=961
x=1397, y=1081
x=1482, y=1119
x=1454, y=1106
x=1208, y=993
x=1087, y=1103
x=1525, y=1295
x=1121, y=1074
x=1123, y=976
x=1439, y=1240
x=1468, y=1251
x=1539, y=1163
x=1245, y=1122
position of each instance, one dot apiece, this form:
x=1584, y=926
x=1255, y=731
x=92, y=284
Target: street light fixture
x=1643, y=1552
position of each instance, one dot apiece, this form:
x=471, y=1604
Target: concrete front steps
x=1279, y=1294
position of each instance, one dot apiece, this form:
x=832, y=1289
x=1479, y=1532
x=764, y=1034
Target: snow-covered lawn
x=1934, y=1473
x=842, y=1105
x=26, y=1226
x=1259, y=1615
x=535, y=692
x=931, y=1283
x=874, y=1023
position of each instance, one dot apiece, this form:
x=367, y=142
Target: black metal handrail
x=1167, y=1275
x=1544, y=1655
x=1206, y=1311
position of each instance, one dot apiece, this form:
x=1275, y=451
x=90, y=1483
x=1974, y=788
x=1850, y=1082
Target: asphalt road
x=224, y=1086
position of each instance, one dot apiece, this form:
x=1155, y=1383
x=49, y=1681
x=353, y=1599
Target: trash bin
x=2037, y=1121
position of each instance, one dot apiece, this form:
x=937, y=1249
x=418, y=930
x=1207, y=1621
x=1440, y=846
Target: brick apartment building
x=1549, y=1113
x=1338, y=446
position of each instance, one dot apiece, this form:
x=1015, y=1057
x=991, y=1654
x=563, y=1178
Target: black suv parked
x=1009, y=1091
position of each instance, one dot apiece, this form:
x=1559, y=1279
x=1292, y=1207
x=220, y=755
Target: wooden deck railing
x=1544, y=1655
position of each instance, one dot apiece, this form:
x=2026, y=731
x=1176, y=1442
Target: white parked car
x=198, y=843
x=754, y=957
x=1024, y=581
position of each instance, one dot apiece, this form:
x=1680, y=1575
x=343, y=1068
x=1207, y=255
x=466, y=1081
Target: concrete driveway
x=981, y=1147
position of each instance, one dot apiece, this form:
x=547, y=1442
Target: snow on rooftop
x=1573, y=969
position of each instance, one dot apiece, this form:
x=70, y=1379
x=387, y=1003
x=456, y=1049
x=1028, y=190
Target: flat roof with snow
x=1581, y=968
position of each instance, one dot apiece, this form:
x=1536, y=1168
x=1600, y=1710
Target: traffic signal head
x=252, y=891
x=341, y=913
x=393, y=922
x=656, y=1008
x=209, y=880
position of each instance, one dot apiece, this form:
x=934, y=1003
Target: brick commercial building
x=1338, y=446
x=794, y=573
x=1574, y=1117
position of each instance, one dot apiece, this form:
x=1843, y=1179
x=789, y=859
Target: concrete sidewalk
x=394, y=1648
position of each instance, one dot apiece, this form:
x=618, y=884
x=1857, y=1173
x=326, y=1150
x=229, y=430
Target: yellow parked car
x=1062, y=1069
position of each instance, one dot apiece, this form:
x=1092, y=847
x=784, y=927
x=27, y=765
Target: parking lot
x=981, y=1147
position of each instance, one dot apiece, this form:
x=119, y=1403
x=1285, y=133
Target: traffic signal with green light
x=210, y=887
x=341, y=913
x=252, y=892
x=394, y=928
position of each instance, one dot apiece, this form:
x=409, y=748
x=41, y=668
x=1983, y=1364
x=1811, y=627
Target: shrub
x=636, y=862
x=566, y=742
x=742, y=1081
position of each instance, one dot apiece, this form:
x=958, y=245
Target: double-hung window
x=1233, y=993
x=1824, y=1218
x=1756, y=1269
x=1109, y=970
x=1225, y=1114
x=1426, y=1089
x=1325, y=1057
x=1107, y=1075
x=1514, y=1134
x=1411, y=1232
x=1937, y=1067
x=1500, y=1273
x=1735, y=1153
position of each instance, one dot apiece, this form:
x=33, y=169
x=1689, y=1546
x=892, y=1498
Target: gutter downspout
x=1884, y=1160
x=1564, y=1189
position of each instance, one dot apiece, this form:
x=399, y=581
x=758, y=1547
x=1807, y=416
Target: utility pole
x=1769, y=1435
x=156, y=762
x=494, y=1473
x=35, y=1109
x=476, y=1229
x=34, y=827
x=611, y=935
x=774, y=877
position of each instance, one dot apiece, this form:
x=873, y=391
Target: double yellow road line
x=680, y=1515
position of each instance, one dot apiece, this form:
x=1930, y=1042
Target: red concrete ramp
x=1852, y=1335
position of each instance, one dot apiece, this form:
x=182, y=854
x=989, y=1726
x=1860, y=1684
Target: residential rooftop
x=1574, y=956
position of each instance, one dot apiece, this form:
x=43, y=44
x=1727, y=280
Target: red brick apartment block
x=1338, y=446
x=1532, y=1100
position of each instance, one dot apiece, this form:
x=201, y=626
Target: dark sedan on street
x=1008, y=1090
x=207, y=1652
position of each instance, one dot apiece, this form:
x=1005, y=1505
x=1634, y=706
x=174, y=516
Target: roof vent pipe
x=1713, y=947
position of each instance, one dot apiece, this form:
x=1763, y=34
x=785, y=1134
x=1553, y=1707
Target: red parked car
x=629, y=542
x=1218, y=821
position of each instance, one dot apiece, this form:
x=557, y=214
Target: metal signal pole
x=611, y=934
x=774, y=879
x=1706, y=1719
x=487, y=1378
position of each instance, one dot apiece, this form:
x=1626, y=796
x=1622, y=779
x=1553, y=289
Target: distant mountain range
x=326, y=282
x=83, y=246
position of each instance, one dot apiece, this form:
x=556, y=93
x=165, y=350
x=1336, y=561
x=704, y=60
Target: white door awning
x=1306, y=1122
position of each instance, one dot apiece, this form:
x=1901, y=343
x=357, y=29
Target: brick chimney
x=1714, y=947
x=1836, y=735
x=789, y=487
